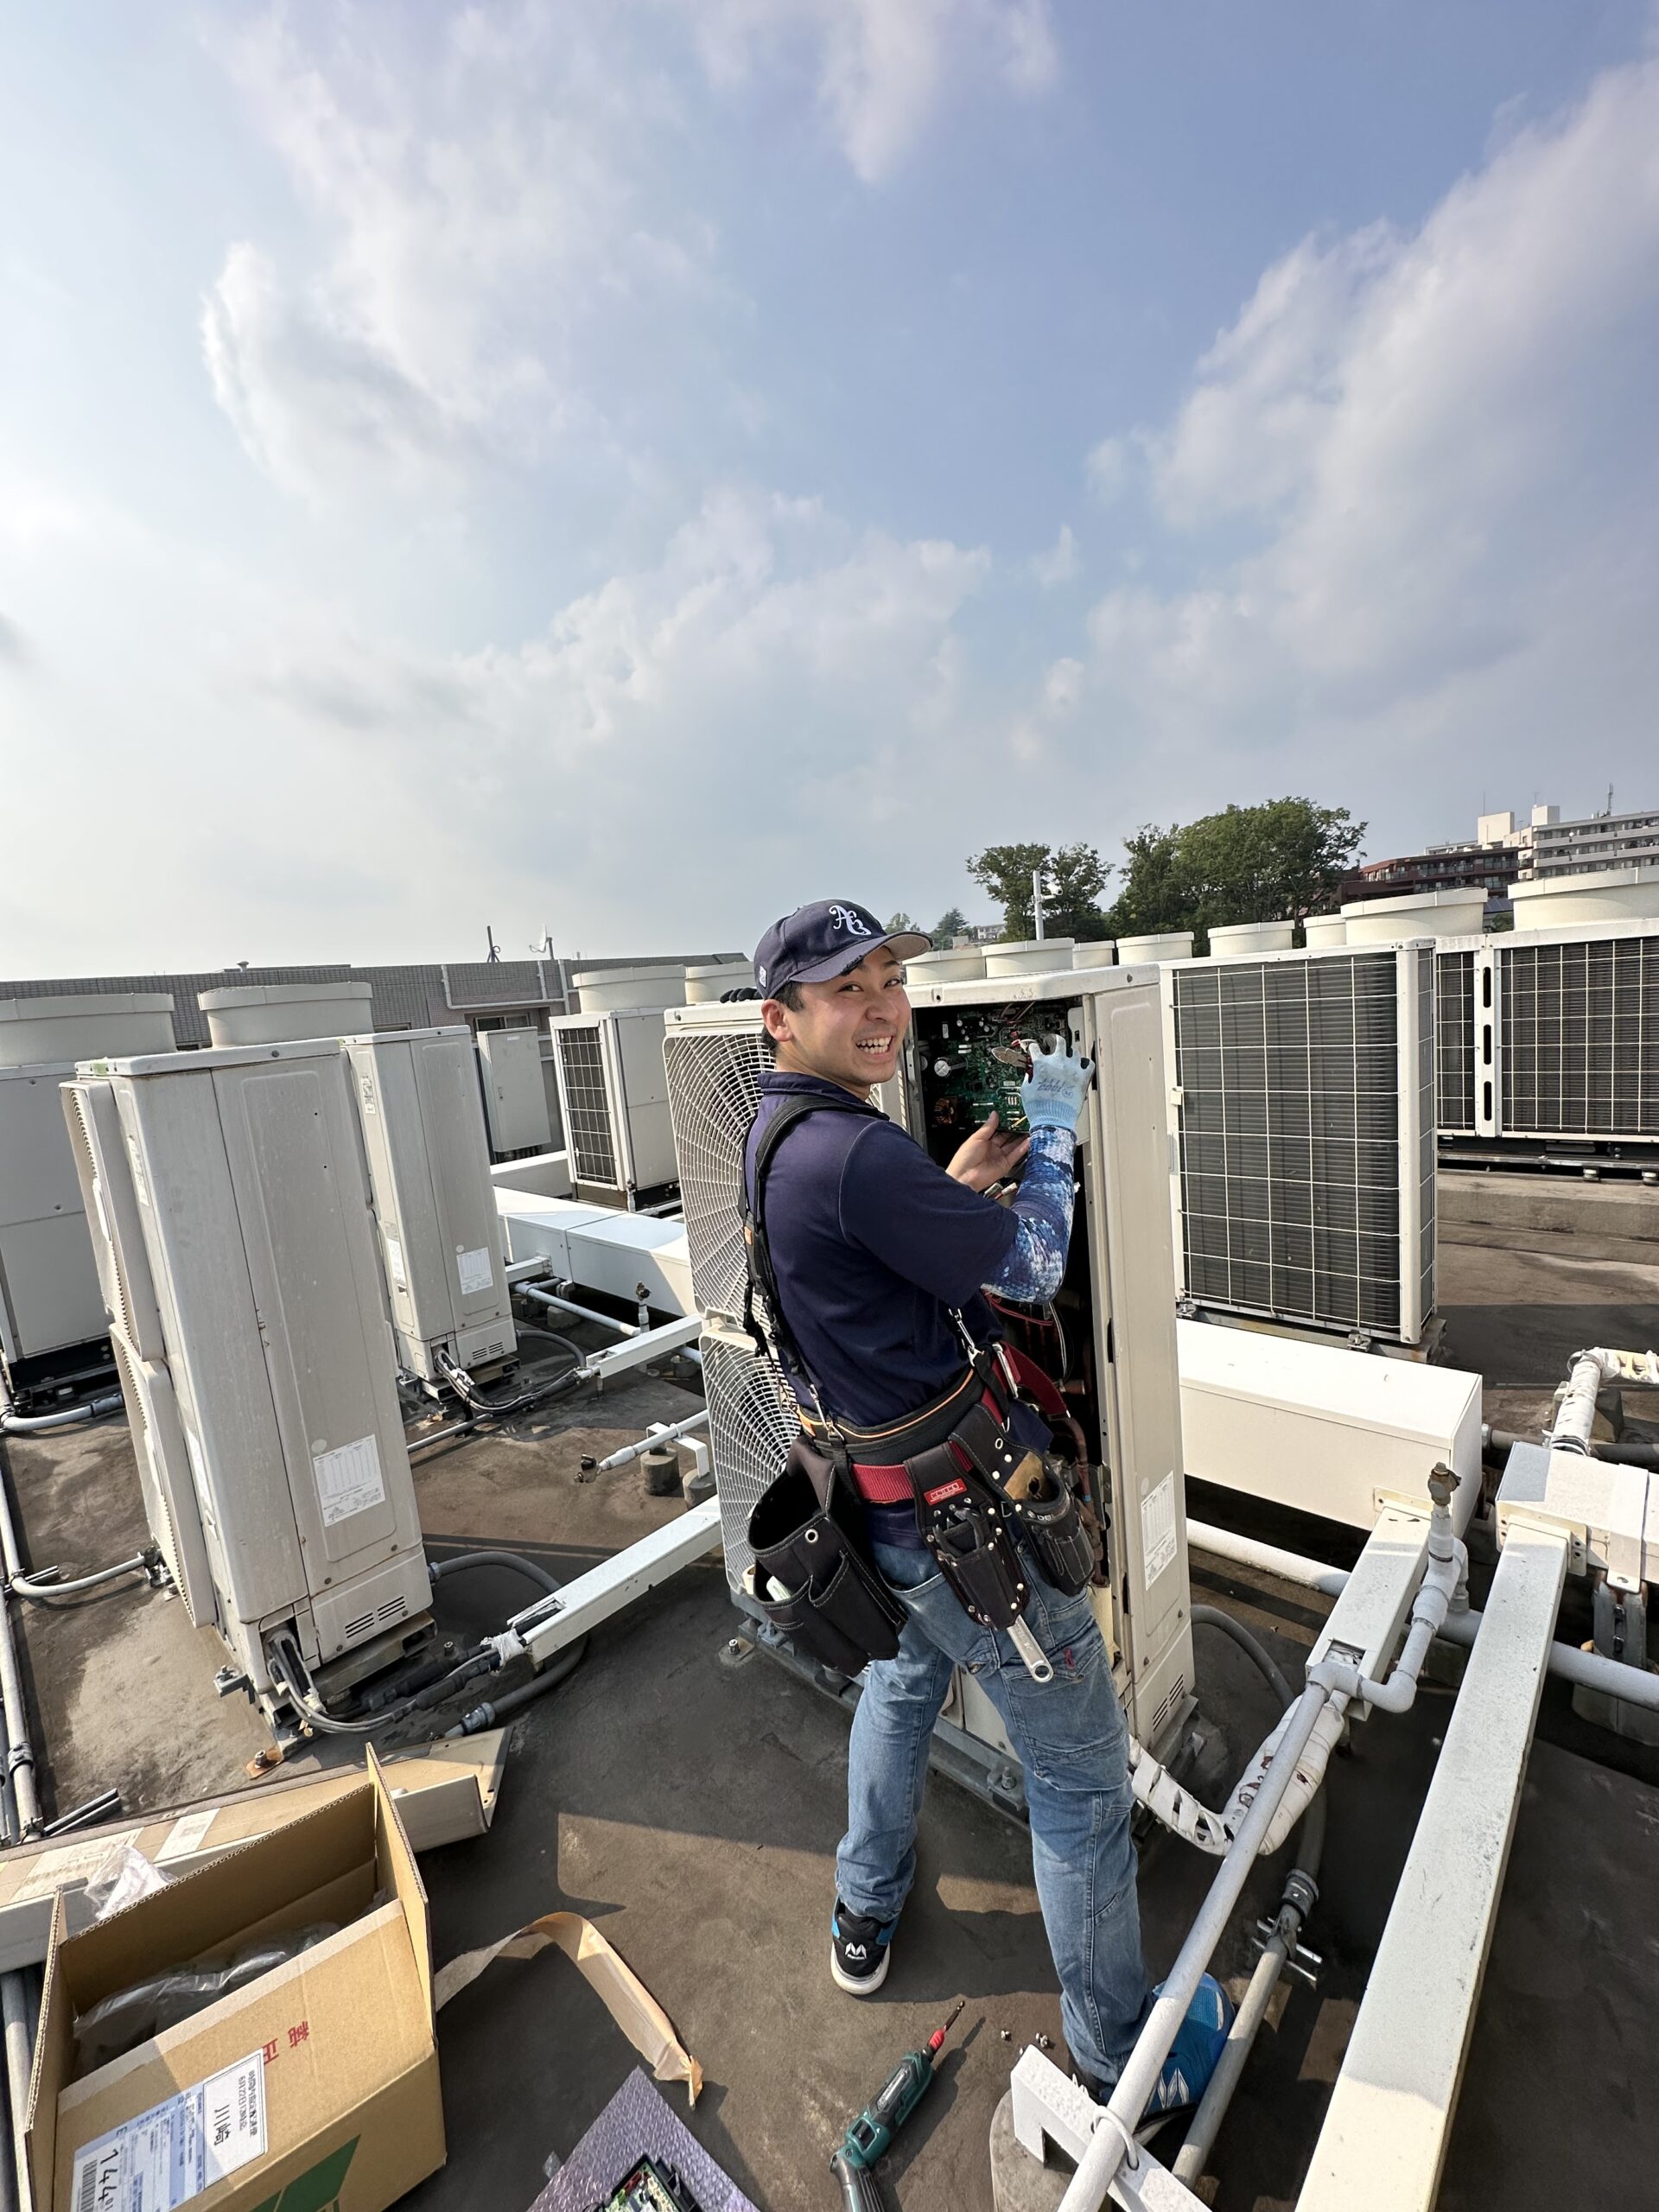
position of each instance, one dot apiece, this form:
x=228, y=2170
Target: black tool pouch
x=835, y=1606
x=961, y=1524
x=1061, y=1541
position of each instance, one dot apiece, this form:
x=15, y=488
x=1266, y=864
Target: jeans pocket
x=1070, y=1730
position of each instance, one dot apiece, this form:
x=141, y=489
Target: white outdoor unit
x=515, y=1091
x=1117, y=1338
x=251, y=1306
x=1302, y=1123
x=52, y=1323
x=423, y=1124
x=614, y=1101
x=1552, y=1037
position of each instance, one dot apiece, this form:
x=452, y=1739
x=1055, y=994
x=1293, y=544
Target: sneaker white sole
x=865, y=1984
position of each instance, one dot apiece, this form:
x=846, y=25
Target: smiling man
x=878, y=1258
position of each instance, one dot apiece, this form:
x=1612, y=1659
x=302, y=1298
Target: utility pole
x=1039, y=886
x=495, y=950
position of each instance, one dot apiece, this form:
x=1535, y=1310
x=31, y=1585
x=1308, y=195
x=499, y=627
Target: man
x=876, y=1253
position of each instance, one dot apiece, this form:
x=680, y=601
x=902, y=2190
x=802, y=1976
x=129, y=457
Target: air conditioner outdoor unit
x=239, y=1259
x=614, y=1103
x=1111, y=1330
x=51, y=1325
x=440, y=1234
x=1301, y=1119
x=515, y=1091
x=1551, y=1036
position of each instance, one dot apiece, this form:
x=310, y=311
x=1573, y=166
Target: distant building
x=1504, y=851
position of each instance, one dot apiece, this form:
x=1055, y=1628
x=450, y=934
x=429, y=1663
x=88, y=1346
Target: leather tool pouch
x=1050, y=1518
x=961, y=1524
x=836, y=1606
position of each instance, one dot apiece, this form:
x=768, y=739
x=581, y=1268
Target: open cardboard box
x=314, y=2087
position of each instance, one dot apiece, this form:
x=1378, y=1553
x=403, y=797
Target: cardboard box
x=314, y=2087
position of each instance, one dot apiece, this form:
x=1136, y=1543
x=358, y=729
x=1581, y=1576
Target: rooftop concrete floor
x=690, y=1805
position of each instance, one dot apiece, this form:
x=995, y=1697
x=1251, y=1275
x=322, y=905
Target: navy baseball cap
x=826, y=939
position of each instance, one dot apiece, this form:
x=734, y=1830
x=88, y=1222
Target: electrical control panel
x=969, y=1062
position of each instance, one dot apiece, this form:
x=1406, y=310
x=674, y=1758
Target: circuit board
x=650, y=2187
x=971, y=1061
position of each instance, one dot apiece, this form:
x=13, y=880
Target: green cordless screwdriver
x=867, y=2139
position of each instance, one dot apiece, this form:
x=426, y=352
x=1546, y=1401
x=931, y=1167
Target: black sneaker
x=858, y=1951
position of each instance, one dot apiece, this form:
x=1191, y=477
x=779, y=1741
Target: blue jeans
x=1073, y=1745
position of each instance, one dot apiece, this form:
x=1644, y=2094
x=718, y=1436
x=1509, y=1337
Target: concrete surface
x=690, y=1804
x=1564, y=1215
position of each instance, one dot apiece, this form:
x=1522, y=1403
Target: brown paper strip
x=629, y=2003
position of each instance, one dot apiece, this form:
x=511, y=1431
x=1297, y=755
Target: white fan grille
x=1454, y=1042
x=752, y=1424
x=713, y=1089
x=1580, y=1024
x=588, y=1106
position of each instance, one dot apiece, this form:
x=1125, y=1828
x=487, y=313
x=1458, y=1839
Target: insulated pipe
x=20, y=1756
x=649, y=1443
x=1576, y=1415
x=1113, y=2141
x=29, y=1424
x=437, y=1568
x=34, y=1586
x=582, y=1313
x=20, y=2054
x=1587, y=1670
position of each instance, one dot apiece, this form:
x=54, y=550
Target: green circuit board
x=970, y=1062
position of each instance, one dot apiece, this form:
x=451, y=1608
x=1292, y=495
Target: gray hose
x=496, y=1709
x=439, y=1568
x=1254, y=1649
x=32, y=1585
x=19, y=2055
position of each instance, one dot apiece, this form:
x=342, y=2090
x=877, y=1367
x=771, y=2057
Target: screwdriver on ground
x=866, y=2140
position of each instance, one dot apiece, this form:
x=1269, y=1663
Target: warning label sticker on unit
x=176, y=2150
x=349, y=1480
x=475, y=1270
x=395, y=1262
x=1158, y=1528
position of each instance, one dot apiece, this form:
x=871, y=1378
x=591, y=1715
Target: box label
x=395, y=1262
x=349, y=1479
x=176, y=2150
x=1158, y=1528
x=187, y=1834
x=474, y=1269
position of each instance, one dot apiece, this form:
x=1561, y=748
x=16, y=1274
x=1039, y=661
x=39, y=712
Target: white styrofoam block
x=1331, y=1431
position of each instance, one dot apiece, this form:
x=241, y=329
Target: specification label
x=176, y=2150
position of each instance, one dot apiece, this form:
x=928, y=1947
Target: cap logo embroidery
x=844, y=919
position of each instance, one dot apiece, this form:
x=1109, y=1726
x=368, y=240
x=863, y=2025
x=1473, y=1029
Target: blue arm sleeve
x=1036, y=1261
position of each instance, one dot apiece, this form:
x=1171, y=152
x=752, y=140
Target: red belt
x=891, y=1485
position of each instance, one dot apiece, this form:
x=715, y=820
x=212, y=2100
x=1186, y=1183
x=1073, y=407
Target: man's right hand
x=1053, y=1094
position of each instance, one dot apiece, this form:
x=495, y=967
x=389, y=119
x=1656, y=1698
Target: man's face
x=848, y=1030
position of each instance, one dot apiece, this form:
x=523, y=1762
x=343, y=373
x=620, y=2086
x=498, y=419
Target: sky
x=611, y=470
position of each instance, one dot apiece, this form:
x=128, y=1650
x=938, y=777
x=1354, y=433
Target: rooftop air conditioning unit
x=422, y=1125
x=614, y=1103
x=1110, y=1333
x=515, y=1091
x=231, y=1200
x=1302, y=1125
x=52, y=1320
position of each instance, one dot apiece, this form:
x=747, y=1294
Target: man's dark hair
x=787, y=995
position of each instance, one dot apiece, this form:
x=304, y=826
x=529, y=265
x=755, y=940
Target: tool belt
x=973, y=1484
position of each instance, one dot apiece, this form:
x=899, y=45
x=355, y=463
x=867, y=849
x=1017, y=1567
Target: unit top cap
x=79, y=1002
x=235, y=994
x=217, y=1056
x=826, y=939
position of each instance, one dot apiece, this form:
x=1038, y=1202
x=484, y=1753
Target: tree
x=1076, y=872
x=899, y=921
x=952, y=924
x=1279, y=862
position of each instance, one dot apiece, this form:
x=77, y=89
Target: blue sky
x=625, y=465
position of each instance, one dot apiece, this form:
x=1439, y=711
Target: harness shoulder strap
x=760, y=1274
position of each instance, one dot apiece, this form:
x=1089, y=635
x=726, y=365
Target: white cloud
x=493, y=228
x=1059, y=564
x=881, y=66
x=1440, y=449
x=1108, y=469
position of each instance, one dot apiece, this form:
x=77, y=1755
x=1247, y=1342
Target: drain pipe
x=19, y=1757
x=20, y=2055
x=650, y=1442
x=16, y=1424
x=1113, y=2146
x=1575, y=1417
x=540, y=1297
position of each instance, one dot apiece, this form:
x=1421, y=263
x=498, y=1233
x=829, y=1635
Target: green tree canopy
x=1077, y=872
x=1279, y=862
x=899, y=921
x=950, y=926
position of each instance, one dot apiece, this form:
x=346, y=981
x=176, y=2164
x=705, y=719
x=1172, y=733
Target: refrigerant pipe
x=650, y=1441
x=20, y=1756
x=582, y=1313
x=1113, y=2145
x=1587, y=1670
x=16, y=1424
x=14, y=2013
